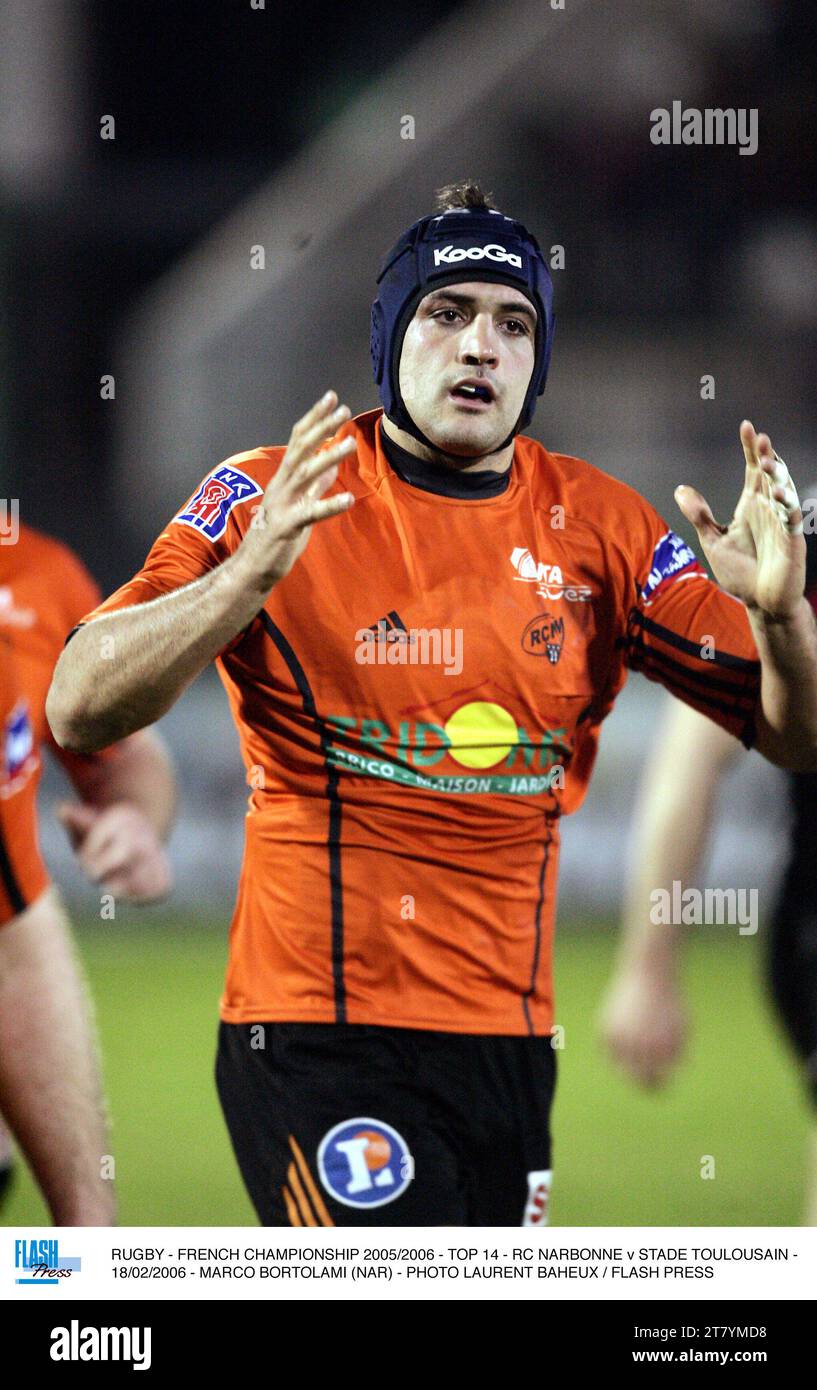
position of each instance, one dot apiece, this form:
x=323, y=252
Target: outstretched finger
x=328, y=507
x=697, y=510
x=319, y=423
x=303, y=446
x=305, y=474
x=753, y=480
x=783, y=494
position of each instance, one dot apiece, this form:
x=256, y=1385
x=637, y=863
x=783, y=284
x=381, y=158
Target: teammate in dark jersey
x=419, y=693
x=644, y=1021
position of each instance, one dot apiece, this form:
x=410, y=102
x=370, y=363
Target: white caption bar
x=425, y=1263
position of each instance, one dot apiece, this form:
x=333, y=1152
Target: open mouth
x=474, y=392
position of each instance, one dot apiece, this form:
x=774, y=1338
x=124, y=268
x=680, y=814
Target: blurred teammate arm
x=50, y=1089
x=125, y=669
x=643, y=1020
x=126, y=811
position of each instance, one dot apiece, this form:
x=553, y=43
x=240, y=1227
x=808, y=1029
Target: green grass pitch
x=622, y=1157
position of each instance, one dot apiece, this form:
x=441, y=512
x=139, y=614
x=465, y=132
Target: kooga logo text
x=449, y=255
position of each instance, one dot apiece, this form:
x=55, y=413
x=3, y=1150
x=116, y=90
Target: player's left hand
x=760, y=557
x=118, y=848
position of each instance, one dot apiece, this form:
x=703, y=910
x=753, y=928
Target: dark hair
x=467, y=194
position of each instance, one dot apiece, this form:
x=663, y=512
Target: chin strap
x=414, y=430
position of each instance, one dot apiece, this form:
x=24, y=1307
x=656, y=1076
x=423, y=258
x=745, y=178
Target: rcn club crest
x=544, y=636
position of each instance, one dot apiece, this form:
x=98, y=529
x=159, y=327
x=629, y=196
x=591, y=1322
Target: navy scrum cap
x=441, y=249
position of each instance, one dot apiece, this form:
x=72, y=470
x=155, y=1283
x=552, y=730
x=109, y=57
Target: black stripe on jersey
x=811, y=566
x=682, y=644
x=677, y=687
x=636, y=648
x=10, y=883
x=537, y=934
x=298, y=674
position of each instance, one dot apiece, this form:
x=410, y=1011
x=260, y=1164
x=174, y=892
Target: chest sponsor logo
x=495, y=752
x=208, y=511
x=548, y=579
x=671, y=558
x=364, y=1163
x=544, y=636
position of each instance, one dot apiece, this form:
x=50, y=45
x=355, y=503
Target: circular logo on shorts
x=364, y=1163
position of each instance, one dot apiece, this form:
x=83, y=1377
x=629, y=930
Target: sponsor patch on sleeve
x=222, y=490
x=18, y=740
x=671, y=559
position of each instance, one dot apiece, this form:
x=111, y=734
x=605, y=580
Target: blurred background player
x=644, y=1022
x=392, y=934
x=50, y=1090
x=116, y=828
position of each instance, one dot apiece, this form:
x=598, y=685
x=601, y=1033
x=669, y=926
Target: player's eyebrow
x=520, y=307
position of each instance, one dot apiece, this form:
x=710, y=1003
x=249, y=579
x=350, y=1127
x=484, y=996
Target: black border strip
x=298, y=674
x=688, y=694
x=639, y=651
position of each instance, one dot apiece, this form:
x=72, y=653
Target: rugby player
x=384, y=1053
x=644, y=1021
x=51, y=1091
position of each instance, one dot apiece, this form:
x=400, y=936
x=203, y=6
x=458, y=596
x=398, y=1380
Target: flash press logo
x=40, y=1262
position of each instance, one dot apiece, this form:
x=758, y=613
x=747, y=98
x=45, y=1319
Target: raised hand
x=760, y=557
x=294, y=501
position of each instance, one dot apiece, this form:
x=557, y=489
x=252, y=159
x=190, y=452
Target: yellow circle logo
x=481, y=734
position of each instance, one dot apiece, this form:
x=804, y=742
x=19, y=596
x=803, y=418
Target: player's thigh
x=329, y=1128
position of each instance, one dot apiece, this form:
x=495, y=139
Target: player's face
x=476, y=333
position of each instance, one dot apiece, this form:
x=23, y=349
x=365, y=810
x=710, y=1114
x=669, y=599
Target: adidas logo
x=389, y=643
x=389, y=629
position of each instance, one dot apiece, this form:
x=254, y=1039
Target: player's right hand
x=644, y=1025
x=294, y=499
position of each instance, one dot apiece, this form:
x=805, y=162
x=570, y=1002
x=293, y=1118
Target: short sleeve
x=199, y=538
x=690, y=636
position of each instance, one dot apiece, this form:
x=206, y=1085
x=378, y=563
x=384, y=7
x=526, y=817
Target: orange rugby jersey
x=44, y=591
x=22, y=873
x=419, y=701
